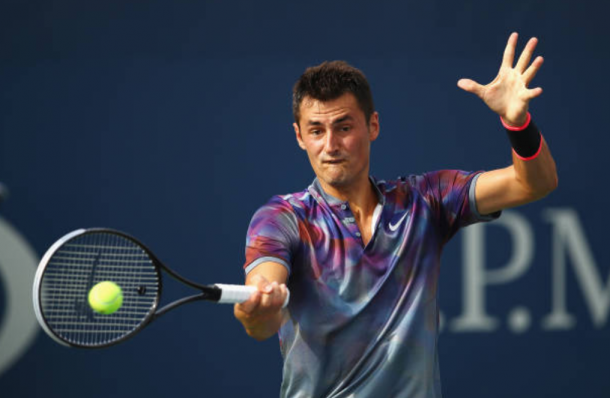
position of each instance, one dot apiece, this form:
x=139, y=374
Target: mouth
x=333, y=161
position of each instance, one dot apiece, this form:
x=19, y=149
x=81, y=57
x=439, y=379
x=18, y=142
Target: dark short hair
x=329, y=81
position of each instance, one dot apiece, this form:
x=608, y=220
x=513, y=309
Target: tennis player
x=361, y=256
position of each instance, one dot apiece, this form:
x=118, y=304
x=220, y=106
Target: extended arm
x=509, y=95
x=262, y=314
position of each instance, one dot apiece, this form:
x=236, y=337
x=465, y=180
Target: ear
x=297, y=131
x=374, y=126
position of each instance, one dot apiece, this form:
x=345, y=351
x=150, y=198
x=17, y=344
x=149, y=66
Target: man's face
x=337, y=139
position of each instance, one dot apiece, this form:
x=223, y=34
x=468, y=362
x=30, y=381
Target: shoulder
x=282, y=211
x=296, y=201
x=435, y=179
x=435, y=183
x=287, y=203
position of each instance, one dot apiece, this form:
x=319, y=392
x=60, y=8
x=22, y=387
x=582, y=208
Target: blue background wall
x=172, y=121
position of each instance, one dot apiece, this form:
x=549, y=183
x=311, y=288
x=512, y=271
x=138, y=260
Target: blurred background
x=172, y=121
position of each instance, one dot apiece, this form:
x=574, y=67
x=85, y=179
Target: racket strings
x=80, y=264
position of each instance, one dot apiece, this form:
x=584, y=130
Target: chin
x=337, y=176
x=337, y=182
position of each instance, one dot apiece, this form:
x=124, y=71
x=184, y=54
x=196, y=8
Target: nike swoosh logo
x=395, y=226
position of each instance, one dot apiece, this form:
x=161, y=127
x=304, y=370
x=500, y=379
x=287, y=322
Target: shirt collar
x=316, y=190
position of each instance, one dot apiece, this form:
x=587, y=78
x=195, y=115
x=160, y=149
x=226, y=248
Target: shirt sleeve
x=450, y=194
x=272, y=235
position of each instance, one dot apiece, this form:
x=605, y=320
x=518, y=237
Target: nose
x=331, y=144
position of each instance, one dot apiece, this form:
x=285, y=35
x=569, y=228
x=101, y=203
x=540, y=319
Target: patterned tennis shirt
x=363, y=320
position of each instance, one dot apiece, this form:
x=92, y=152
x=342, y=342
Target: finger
x=278, y=295
x=509, y=51
x=261, y=283
x=471, y=86
x=535, y=92
x=526, y=55
x=529, y=74
x=250, y=305
x=265, y=303
x=281, y=296
x=272, y=300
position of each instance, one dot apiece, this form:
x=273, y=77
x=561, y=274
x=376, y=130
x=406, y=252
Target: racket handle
x=233, y=294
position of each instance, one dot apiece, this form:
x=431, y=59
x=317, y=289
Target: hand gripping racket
x=85, y=257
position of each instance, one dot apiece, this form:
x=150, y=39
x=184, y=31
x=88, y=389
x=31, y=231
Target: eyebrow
x=338, y=121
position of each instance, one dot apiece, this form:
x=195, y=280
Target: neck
x=360, y=195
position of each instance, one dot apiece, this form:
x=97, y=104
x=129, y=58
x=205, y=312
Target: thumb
x=471, y=86
x=261, y=283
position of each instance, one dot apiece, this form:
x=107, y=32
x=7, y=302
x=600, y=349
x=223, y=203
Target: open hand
x=508, y=94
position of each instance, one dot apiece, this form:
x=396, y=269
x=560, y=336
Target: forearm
x=523, y=182
x=534, y=167
x=537, y=177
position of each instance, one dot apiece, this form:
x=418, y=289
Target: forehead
x=321, y=111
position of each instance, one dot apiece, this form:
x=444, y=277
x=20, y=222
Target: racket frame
x=211, y=293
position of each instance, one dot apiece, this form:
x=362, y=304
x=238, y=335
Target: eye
x=315, y=132
x=346, y=128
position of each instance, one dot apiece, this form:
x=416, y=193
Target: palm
x=508, y=94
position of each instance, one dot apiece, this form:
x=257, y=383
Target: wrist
x=518, y=125
x=526, y=139
x=260, y=326
x=262, y=329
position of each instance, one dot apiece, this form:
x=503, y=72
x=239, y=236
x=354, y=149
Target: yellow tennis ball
x=105, y=297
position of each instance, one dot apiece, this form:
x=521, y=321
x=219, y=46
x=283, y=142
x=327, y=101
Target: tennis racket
x=85, y=257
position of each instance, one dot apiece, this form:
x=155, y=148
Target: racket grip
x=233, y=294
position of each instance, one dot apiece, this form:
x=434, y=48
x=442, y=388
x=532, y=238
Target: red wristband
x=520, y=128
